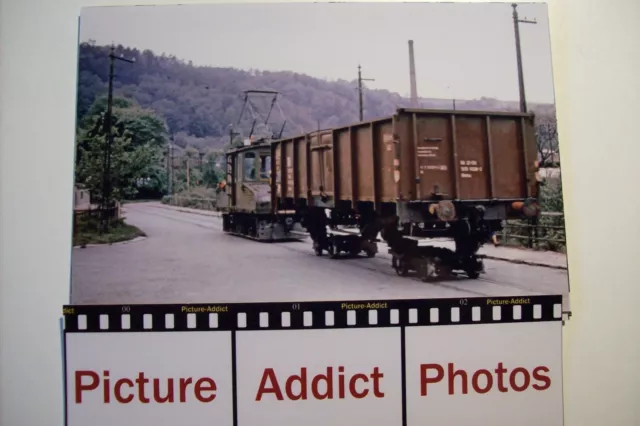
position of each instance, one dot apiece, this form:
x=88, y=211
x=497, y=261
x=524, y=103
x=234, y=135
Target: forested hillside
x=199, y=104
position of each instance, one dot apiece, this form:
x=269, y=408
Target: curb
x=523, y=262
x=136, y=239
x=183, y=210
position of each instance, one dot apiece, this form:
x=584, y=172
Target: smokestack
x=412, y=74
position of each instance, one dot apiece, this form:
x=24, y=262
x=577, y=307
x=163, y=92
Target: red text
x=482, y=381
x=143, y=389
x=321, y=386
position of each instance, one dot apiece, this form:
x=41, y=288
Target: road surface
x=187, y=259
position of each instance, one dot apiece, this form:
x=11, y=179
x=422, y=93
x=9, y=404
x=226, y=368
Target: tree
x=191, y=153
x=137, y=151
x=211, y=173
x=547, y=141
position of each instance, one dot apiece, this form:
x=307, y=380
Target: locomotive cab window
x=237, y=160
x=253, y=166
x=249, y=166
x=265, y=166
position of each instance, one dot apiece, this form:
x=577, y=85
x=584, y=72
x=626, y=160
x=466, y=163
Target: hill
x=200, y=103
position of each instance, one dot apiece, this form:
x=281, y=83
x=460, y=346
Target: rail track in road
x=186, y=258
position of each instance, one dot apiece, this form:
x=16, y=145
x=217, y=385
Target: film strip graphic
x=310, y=315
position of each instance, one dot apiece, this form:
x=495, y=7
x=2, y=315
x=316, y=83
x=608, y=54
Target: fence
x=91, y=217
x=190, y=202
x=545, y=232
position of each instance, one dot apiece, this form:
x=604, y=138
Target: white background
x=475, y=347
x=159, y=355
x=596, y=66
x=358, y=351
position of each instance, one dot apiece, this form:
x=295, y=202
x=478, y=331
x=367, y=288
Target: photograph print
x=316, y=152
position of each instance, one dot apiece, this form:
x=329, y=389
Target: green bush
x=551, y=201
x=86, y=230
x=197, y=198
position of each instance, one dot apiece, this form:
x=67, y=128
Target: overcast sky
x=462, y=51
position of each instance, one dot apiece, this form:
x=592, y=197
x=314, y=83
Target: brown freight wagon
x=415, y=174
x=412, y=156
x=429, y=173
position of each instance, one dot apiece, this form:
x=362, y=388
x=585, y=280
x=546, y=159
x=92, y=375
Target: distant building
x=81, y=198
x=82, y=201
x=550, y=174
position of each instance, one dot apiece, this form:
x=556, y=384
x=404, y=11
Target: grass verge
x=197, y=198
x=87, y=232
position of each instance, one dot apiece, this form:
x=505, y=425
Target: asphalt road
x=187, y=259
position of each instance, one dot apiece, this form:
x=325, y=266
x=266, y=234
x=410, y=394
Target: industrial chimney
x=412, y=75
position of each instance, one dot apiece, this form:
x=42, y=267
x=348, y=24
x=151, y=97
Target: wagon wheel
x=428, y=269
x=400, y=266
x=317, y=248
x=256, y=227
x=473, y=267
x=369, y=248
x=473, y=274
x=332, y=251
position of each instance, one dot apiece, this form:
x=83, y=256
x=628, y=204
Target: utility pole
x=170, y=163
x=453, y=96
x=360, y=80
x=106, y=177
x=516, y=26
x=188, y=182
x=232, y=134
x=533, y=236
x=412, y=77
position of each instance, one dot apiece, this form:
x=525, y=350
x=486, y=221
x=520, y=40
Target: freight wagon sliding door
x=469, y=157
x=284, y=165
x=473, y=168
x=300, y=168
x=511, y=164
x=433, y=156
x=276, y=174
x=287, y=167
x=321, y=162
x=364, y=163
x=291, y=164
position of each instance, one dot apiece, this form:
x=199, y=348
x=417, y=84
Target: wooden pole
x=188, y=184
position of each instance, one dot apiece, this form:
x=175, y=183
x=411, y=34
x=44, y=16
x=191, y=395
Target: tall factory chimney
x=412, y=73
